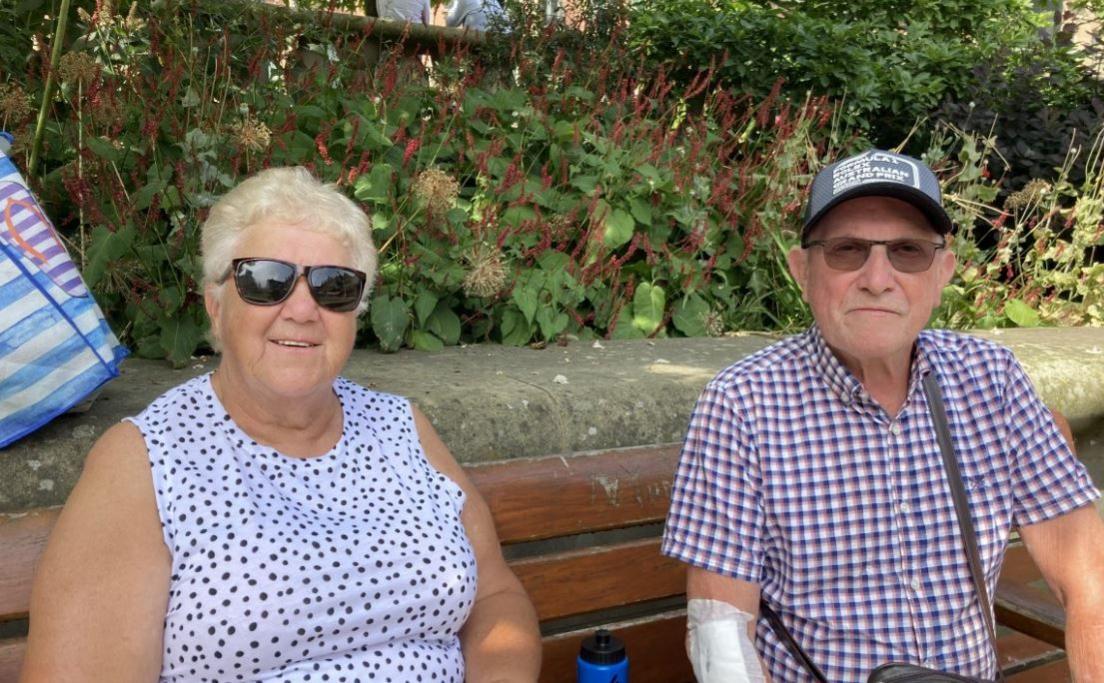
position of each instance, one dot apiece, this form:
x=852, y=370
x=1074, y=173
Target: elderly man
x=812, y=478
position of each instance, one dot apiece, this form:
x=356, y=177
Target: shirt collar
x=841, y=382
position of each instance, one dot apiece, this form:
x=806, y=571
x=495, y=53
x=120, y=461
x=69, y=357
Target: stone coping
x=491, y=402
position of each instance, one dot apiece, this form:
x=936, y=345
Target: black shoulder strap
x=962, y=508
x=783, y=634
x=965, y=523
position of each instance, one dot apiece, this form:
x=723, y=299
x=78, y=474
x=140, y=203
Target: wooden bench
x=582, y=533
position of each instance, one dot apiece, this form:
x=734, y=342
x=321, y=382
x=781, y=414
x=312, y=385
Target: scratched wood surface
x=565, y=584
x=539, y=498
x=22, y=539
x=544, y=498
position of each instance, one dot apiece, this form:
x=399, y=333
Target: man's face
x=872, y=314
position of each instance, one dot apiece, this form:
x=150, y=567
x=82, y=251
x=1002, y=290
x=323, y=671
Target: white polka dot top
x=350, y=566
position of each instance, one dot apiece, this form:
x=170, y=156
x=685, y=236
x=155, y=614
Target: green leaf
x=445, y=324
x=516, y=330
x=424, y=341
x=389, y=316
x=424, y=305
x=625, y=328
x=106, y=247
x=649, y=302
x=553, y=261
x=1021, y=314
x=551, y=322
x=526, y=299
x=170, y=298
x=149, y=347
x=381, y=221
x=103, y=148
x=190, y=98
x=618, y=229
x=516, y=215
x=641, y=210
x=179, y=337
x=689, y=316
x=585, y=183
x=375, y=187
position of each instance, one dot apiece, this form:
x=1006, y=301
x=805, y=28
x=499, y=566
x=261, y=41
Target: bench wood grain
x=539, y=504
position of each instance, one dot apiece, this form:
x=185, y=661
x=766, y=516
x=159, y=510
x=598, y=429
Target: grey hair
x=292, y=195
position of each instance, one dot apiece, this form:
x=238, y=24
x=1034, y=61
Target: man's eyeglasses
x=850, y=253
x=267, y=282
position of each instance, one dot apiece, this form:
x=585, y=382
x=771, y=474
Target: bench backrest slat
x=543, y=499
x=539, y=498
x=584, y=581
x=22, y=538
x=11, y=659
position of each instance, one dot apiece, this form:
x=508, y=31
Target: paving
x=491, y=402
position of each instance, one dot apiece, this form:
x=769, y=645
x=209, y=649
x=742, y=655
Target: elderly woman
x=271, y=520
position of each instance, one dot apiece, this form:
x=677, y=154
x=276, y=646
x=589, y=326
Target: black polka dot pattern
x=351, y=566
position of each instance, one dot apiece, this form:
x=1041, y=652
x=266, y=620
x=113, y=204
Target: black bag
x=894, y=672
x=912, y=673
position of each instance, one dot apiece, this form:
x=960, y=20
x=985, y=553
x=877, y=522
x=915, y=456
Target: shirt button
x=905, y=507
x=895, y=429
x=915, y=585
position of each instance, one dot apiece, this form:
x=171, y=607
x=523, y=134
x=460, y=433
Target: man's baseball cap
x=877, y=173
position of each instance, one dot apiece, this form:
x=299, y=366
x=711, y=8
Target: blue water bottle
x=602, y=659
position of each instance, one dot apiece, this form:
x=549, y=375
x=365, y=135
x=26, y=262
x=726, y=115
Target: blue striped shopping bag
x=55, y=346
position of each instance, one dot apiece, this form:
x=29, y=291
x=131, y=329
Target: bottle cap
x=602, y=648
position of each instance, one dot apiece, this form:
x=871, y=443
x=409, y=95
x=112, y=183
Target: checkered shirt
x=793, y=478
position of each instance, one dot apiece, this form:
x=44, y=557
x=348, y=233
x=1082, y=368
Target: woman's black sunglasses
x=267, y=282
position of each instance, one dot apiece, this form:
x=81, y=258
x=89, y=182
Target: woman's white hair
x=291, y=195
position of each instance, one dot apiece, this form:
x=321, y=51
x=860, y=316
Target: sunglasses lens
x=846, y=254
x=264, y=282
x=907, y=256
x=911, y=256
x=335, y=288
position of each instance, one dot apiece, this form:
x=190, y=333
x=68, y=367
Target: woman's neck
x=306, y=427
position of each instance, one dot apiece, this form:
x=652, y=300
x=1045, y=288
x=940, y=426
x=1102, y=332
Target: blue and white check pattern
x=793, y=478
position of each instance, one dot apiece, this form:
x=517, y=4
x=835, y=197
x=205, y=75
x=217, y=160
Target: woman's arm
x=101, y=587
x=501, y=640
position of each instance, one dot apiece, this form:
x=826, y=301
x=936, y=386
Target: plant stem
x=48, y=89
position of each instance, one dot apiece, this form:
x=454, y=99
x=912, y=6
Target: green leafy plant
x=1044, y=268
x=889, y=64
x=553, y=201
x=580, y=192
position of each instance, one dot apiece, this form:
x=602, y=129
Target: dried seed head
x=105, y=12
x=133, y=21
x=1031, y=193
x=77, y=67
x=714, y=324
x=250, y=134
x=486, y=274
x=15, y=105
x=105, y=110
x=436, y=190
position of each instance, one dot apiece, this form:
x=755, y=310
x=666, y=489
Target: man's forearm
x=1085, y=642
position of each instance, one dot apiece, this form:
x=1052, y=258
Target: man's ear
x=798, y=261
x=946, y=260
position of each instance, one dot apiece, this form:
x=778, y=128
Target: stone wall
x=491, y=402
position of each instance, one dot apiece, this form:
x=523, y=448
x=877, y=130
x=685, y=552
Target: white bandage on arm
x=720, y=649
